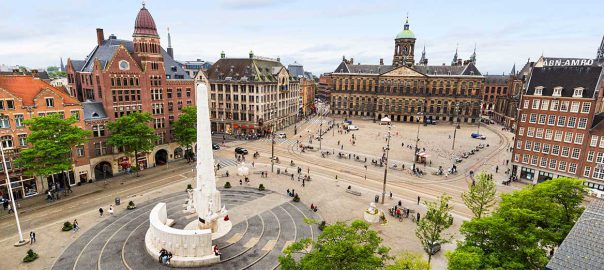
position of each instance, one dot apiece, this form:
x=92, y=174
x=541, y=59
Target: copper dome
x=144, y=24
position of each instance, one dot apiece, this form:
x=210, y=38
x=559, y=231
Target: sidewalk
x=39, y=201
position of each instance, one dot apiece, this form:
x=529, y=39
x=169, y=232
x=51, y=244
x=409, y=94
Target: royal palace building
x=251, y=96
x=408, y=91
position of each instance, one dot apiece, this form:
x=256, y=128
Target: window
x=536, y=103
x=188, y=91
x=80, y=150
x=528, y=145
x=579, y=138
x=546, y=148
x=554, y=106
x=586, y=107
x=586, y=171
x=576, y=153
x=98, y=130
x=568, y=137
x=534, y=160
x=19, y=120
x=572, y=168
x=516, y=157
x=543, y=162
x=555, y=150
x=525, y=158
x=544, y=104
x=2, y=105
x=590, y=156
x=598, y=173
x=565, y=151
x=578, y=92
x=549, y=134
x=100, y=148
x=538, y=90
x=22, y=139
x=50, y=102
x=533, y=118
x=571, y=121
x=4, y=121
x=552, y=164
x=574, y=107
x=526, y=104
x=558, y=136
x=7, y=141
x=594, y=141
x=523, y=117
x=530, y=132
x=551, y=120
x=599, y=157
x=564, y=106
x=518, y=144
x=10, y=104
x=158, y=108
x=601, y=142
x=521, y=131
x=76, y=115
x=561, y=121
x=537, y=147
x=562, y=166
x=582, y=123
x=539, y=133
x=557, y=91
x=542, y=119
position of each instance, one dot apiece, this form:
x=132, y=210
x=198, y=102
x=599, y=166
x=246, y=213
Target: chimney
x=381, y=61
x=351, y=61
x=100, y=37
x=34, y=73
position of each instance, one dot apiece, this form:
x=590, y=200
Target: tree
x=481, y=195
x=339, y=246
x=430, y=229
x=185, y=129
x=133, y=134
x=409, y=261
x=527, y=224
x=52, y=139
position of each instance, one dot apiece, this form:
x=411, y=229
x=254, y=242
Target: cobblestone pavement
x=253, y=243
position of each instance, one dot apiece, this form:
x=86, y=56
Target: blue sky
x=314, y=33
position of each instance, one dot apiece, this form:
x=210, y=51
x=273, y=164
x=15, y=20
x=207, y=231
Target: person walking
x=101, y=211
x=497, y=169
x=418, y=199
x=418, y=217
x=76, y=226
x=391, y=195
x=111, y=210
x=32, y=237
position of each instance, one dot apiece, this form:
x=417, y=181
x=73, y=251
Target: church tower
x=146, y=41
x=600, y=53
x=404, y=47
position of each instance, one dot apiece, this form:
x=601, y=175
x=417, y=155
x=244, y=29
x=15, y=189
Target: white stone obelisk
x=206, y=197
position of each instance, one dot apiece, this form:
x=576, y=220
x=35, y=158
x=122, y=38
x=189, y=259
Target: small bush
x=131, y=205
x=30, y=257
x=227, y=185
x=322, y=225
x=261, y=187
x=189, y=186
x=296, y=198
x=67, y=226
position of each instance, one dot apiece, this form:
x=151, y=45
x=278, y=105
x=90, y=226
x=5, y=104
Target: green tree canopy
x=51, y=140
x=519, y=233
x=480, y=196
x=132, y=133
x=339, y=246
x=409, y=261
x=430, y=229
x=185, y=128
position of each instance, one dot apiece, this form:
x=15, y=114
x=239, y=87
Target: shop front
x=141, y=160
x=527, y=174
x=22, y=187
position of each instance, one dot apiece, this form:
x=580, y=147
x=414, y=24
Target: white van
x=281, y=135
x=353, y=127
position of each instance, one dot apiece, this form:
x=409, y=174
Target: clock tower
x=404, y=47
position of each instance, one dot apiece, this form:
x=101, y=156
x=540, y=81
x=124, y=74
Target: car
x=353, y=127
x=215, y=146
x=432, y=248
x=241, y=151
x=281, y=135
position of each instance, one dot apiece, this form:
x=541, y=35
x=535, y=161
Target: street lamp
x=320, y=134
x=272, y=141
x=365, y=172
x=418, y=117
x=386, y=164
x=457, y=127
x=12, y=198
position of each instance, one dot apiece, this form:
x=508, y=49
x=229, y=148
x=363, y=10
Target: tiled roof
x=496, y=79
x=583, y=247
x=173, y=69
x=93, y=110
x=568, y=78
x=78, y=64
x=296, y=70
x=26, y=87
x=262, y=70
x=469, y=69
x=144, y=24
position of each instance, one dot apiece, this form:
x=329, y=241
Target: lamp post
x=365, y=172
x=418, y=117
x=272, y=141
x=12, y=198
x=320, y=133
x=386, y=164
x=456, y=127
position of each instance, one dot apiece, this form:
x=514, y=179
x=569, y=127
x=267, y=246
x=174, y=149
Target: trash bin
x=278, y=171
x=377, y=198
x=117, y=200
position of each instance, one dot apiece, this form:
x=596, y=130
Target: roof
x=583, y=247
x=496, y=79
x=252, y=69
x=469, y=69
x=567, y=77
x=27, y=88
x=144, y=24
x=406, y=33
x=173, y=69
x=597, y=119
x=93, y=110
x=296, y=70
x=78, y=64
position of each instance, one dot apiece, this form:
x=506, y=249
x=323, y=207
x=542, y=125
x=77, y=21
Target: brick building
x=560, y=123
x=23, y=97
x=324, y=87
x=494, y=86
x=120, y=77
x=251, y=96
x=405, y=88
x=506, y=105
x=308, y=87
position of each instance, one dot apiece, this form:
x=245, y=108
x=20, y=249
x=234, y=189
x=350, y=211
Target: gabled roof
x=362, y=69
x=93, y=110
x=27, y=88
x=583, y=247
x=567, y=77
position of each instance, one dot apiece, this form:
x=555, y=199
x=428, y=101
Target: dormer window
x=557, y=91
x=538, y=90
x=578, y=92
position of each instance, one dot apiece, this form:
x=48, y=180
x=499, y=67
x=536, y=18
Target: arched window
x=7, y=141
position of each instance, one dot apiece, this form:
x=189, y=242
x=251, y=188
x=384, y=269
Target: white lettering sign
x=568, y=62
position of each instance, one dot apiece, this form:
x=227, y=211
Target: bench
x=357, y=193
